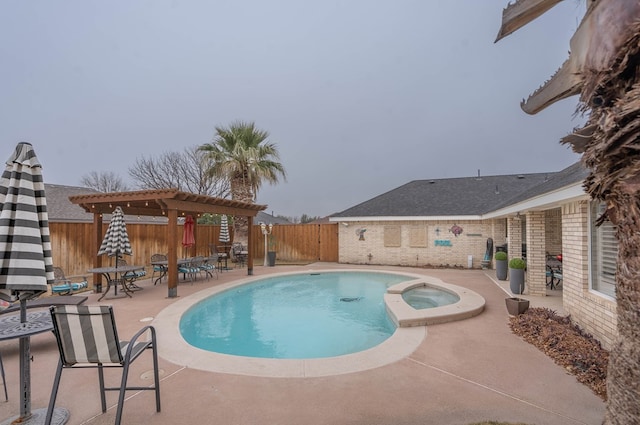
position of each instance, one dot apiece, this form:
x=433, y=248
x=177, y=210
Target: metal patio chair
x=240, y=253
x=159, y=269
x=63, y=285
x=87, y=338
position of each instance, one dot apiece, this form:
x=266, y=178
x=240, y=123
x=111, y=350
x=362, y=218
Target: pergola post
x=172, y=267
x=96, y=240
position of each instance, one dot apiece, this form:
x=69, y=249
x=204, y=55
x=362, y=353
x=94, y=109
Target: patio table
x=114, y=281
x=37, y=322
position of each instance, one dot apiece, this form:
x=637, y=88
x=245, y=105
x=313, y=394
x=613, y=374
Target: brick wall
x=593, y=312
x=536, y=260
x=417, y=243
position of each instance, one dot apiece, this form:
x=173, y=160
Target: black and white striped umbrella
x=116, y=240
x=26, y=265
x=224, y=230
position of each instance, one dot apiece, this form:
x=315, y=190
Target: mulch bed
x=568, y=345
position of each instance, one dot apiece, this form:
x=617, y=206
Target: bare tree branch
x=185, y=171
x=104, y=181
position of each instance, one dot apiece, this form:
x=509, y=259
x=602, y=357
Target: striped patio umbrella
x=26, y=264
x=116, y=239
x=224, y=230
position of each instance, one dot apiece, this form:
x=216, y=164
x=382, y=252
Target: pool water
x=426, y=297
x=294, y=316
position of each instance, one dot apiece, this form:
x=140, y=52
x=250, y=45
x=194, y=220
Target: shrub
x=517, y=263
x=501, y=256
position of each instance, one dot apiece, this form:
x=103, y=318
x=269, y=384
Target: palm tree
x=603, y=69
x=242, y=155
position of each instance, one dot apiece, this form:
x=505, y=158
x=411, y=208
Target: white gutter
x=406, y=218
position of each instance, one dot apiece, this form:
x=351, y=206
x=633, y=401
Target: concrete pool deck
x=462, y=372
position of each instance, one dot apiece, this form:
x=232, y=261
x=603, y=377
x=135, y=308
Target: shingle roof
x=59, y=208
x=571, y=175
x=462, y=196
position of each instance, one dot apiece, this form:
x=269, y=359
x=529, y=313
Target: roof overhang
x=547, y=201
x=158, y=202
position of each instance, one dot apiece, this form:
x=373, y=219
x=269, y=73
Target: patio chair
x=209, y=266
x=240, y=254
x=87, y=338
x=221, y=256
x=63, y=285
x=191, y=268
x=160, y=270
x=131, y=277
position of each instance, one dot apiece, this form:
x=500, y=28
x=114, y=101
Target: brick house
x=449, y=222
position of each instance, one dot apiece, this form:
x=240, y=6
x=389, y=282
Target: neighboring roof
x=265, y=218
x=465, y=196
x=60, y=209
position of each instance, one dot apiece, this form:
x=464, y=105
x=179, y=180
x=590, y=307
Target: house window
x=604, y=253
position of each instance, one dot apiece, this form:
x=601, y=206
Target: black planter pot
x=516, y=306
x=516, y=280
x=271, y=258
x=501, y=269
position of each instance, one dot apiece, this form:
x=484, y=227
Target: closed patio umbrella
x=188, y=238
x=224, y=237
x=224, y=230
x=116, y=239
x=26, y=264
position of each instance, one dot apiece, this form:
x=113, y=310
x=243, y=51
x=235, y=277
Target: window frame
x=603, y=253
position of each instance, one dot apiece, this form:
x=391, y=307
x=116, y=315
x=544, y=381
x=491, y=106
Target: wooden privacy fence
x=295, y=243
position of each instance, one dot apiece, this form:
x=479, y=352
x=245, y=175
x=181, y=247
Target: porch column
x=514, y=237
x=536, y=259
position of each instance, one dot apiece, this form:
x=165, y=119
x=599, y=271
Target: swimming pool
x=408, y=335
x=300, y=316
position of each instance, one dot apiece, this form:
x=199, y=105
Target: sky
x=360, y=96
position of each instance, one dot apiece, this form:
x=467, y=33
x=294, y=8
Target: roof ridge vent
x=520, y=176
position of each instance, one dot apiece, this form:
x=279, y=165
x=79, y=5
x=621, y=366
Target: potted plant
x=501, y=265
x=271, y=251
x=516, y=305
x=516, y=275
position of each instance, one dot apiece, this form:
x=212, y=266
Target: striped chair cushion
x=87, y=334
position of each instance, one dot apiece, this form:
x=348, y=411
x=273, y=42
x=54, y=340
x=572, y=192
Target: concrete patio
x=463, y=372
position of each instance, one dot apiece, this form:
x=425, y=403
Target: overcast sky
x=360, y=96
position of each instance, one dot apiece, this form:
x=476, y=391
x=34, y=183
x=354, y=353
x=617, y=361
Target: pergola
x=170, y=203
